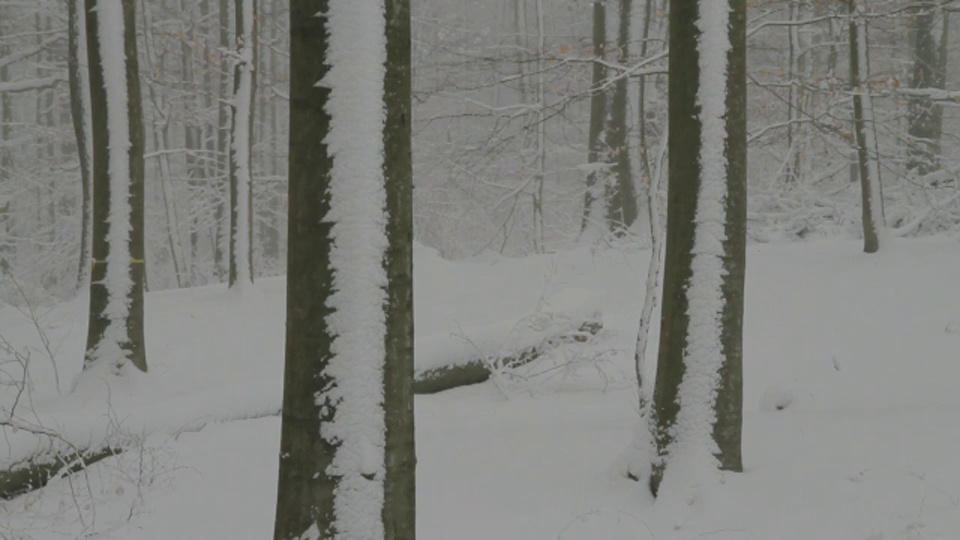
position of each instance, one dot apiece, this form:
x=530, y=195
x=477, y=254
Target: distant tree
x=593, y=202
x=115, y=333
x=241, y=145
x=929, y=73
x=347, y=458
x=697, y=402
x=868, y=157
x=621, y=194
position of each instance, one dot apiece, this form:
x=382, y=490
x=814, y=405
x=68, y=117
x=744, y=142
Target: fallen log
x=37, y=472
x=478, y=369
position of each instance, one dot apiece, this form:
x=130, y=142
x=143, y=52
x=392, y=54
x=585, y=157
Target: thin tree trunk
x=161, y=140
x=621, y=193
x=923, y=150
x=874, y=229
x=193, y=142
x=221, y=232
x=241, y=146
x=6, y=173
x=642, y=102
x=80, y=113
x=541, y=155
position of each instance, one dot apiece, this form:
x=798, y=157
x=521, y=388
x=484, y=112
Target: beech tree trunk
x=125, y=336
x=712, y=289
x=317, y=467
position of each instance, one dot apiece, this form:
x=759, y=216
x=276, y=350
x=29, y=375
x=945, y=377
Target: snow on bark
x=870, y=134
x=692, y=453
x=243, y=128
x=119, y=282
x=356, y=56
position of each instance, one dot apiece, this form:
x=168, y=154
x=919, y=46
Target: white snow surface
x=690, y=459
x=860, y=344
x=356, y=56
x=110, y=28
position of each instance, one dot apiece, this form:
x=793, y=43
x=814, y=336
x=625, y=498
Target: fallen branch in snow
x=30, y=475
x=480, y=368
x=56, y=457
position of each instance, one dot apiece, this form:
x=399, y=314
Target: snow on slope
x=865, y=450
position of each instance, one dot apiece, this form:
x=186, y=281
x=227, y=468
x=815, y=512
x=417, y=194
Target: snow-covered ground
x=852, y=399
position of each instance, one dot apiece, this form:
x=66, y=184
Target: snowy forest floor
x=861, y=353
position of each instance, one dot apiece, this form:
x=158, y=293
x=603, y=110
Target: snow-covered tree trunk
x=698, y=390
x=874, y=226
x=241, y=146
x=80, y=111
x=347, y=456
x=115, y=333
x=641, y=450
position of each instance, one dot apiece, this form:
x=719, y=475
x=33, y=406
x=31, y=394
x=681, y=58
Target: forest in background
x=520, y=106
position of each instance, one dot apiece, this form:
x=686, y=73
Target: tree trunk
x=399, y=509
x=874, y=229
x=598, y=114
x=347, y=435
x=192, y=141
x=80, y=113
x=925, y=116
x=698, y=390
x=6, y=172
x=115, y=334
x=621, y=194
x=241, y=146
x=221, y=234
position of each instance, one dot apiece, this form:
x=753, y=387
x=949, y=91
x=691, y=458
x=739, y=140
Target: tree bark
x=925, y=116
x=621, y=194
x=598, y=113
x=874, y=230
x=305, y=498
x=399, y=510
x=241, y=146
x=127, y=338
x=80, y=112
x=720, y=276
x=221, y=234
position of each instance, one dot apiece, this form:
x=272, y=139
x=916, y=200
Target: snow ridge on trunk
x=110, y=38
x=356, y=56
x=241, y=147
x=693, y=450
